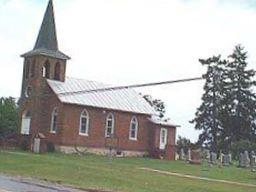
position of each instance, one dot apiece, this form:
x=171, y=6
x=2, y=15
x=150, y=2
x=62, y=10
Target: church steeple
x=47, y=37
x=47, y=43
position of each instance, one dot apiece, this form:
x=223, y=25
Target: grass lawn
x=95, y=172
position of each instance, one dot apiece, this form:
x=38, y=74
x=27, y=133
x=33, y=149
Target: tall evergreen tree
x=208, y=115
x=241, y=98
x=227, y=114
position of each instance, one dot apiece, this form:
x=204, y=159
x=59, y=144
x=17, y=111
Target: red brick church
x=66, y=113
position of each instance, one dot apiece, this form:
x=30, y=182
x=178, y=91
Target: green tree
x=208, y=117
x=241, y=98
x=158, y=105
x=8, y=116
x=227, y=114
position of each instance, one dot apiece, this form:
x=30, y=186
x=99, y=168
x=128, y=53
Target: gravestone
x=182, y=154
x=221, y=158
x=189, y=155
x=226, y=159
x=253, y=161
x=213, y=158
x=230, y=158
x=246, y=159
x=195, y=157
x=36, y=147
x=241, y=162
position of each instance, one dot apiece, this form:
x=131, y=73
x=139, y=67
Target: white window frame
x=134, y=120
x=112, y=118
x=161, y=144
x=25, y=123
x=84, y=114
x=54, y=114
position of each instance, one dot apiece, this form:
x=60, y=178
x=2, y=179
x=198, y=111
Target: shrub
x=50, y=147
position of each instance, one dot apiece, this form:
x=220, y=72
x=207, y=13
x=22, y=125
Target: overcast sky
x=124, y=42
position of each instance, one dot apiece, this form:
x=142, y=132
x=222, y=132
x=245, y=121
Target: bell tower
x=45, y=61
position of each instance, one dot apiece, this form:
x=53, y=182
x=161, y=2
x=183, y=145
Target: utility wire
x=118, y=87
x=130, y=86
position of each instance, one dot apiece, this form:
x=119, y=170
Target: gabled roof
x=124, y=100
x=47, y=43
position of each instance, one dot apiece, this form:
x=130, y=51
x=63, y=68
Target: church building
x=70, y=113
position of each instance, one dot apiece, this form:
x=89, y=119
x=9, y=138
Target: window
x=109, y=125
x=27, y=69
x=133, y=129
x=28, y=91
x=46, y=70
x=84, y=123
x=57, y=71
x=33, y=67
x=54, y=120
x=25, y=123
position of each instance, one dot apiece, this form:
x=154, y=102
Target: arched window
x=57, y=71
x=84, y=123
x=33, y=67
x=133, y=129
x=46, y=69
x=25, y=123
x=109, y=125
x=54, y=119
x=27, y=69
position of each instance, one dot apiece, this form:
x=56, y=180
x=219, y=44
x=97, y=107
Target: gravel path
x=198, y=178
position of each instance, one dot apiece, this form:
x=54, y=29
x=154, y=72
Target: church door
x=163, y=138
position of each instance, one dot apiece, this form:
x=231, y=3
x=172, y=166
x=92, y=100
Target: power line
x=118, y=87
x=131, y=86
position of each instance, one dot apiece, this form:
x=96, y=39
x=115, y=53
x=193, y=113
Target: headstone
x=221, y=158
x=253, y=161
x=241, y=162
x=189, y=155
x=36, y=147
x=246, y=159
x=226, y=159
x=195, y=157
x=213, y=158
x=182, y=154
x=230, y=158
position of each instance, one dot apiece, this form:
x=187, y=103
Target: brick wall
x=169, y=152
x=97, y=125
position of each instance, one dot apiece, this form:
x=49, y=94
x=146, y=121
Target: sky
x=123, y=42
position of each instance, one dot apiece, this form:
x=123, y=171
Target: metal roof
x=156, y=120
x=124, y=100
x=47, y=43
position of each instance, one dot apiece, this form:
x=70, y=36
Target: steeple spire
x=47, y=43
x=47, y=37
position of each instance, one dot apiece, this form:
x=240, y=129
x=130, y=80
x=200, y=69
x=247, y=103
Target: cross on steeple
x=47, y=43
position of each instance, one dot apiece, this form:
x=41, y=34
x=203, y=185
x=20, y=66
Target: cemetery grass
x=122, y=174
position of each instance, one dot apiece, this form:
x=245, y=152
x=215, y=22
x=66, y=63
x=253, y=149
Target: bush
x=50, y=147
x=25, y=144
